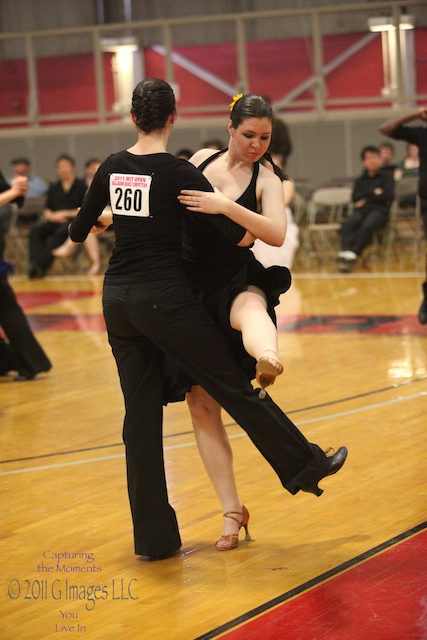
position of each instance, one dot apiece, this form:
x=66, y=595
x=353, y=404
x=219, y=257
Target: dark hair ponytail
x=153, y=101
x=277, y=170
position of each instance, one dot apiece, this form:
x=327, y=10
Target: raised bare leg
x=248, y=314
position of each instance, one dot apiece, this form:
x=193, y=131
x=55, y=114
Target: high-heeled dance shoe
x=335, y=462
x=231, y=540
x=267, y=370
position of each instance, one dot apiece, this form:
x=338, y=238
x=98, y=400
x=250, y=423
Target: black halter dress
x=219, y=271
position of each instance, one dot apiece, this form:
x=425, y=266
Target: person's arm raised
x=390, y=126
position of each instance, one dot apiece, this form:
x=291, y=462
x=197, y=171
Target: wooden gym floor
x=348, y=565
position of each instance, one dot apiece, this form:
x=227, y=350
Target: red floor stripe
x=390, y=325
x=31, y=299
x=384, y=598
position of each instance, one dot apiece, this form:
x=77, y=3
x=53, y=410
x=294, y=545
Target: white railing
x=164, y=42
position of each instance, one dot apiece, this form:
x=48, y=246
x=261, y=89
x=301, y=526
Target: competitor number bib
x=129, y=194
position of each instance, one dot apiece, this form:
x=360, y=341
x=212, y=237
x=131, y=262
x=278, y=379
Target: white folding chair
x=404, y=226
x=326, y=210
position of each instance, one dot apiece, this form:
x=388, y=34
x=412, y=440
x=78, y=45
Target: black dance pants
x=357, y=231
x=42, y=239
x=145, y=320
x=28, y=355
x=423, y=203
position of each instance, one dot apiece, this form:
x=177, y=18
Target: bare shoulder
x=202, y=155
x=268, y=177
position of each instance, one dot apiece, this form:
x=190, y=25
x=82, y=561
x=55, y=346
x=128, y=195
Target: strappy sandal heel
x=267, y=370
x=231, y=540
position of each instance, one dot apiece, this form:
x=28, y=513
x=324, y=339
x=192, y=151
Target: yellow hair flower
x=235, y=99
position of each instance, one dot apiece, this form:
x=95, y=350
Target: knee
x=245, y=305
x=204, y=410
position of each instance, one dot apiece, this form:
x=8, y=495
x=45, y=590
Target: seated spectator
x=372, y=196
x=386, y=150
x=185, y=154
x=91, y=244
x=408, y=168
x=410, y=165
x=36, y=187
x=64, y=199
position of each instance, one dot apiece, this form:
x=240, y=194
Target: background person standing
x=397, y=130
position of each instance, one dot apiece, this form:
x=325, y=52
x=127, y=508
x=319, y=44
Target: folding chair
x=21, y=222
x=404, y=225
x=326, y=210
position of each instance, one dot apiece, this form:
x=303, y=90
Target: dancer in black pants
x=150, y=309
x=21, y=352
x=397, y=129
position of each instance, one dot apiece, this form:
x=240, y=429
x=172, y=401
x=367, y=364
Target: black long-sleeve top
x=418, y=136
x=365, y=186
x=147, y=216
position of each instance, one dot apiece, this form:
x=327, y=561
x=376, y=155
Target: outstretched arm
x=391, y=125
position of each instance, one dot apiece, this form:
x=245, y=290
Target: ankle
x=269, y=353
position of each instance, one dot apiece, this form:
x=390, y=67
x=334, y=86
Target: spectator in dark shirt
x=372, y=196
x=397, y=130
x=64, y=199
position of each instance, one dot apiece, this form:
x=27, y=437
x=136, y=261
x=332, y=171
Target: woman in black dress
x=150, y=308
x=238, y=292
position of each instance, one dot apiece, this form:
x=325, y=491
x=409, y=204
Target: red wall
x=276, y=67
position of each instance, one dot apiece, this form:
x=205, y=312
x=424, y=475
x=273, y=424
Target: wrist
x=229, y=209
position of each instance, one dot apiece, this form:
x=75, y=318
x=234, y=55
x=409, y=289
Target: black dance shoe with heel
x=335, y=462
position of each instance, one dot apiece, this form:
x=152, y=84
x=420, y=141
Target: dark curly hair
x=153, y=101
x=253, y=106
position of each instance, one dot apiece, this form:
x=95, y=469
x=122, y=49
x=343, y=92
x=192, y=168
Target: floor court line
x=356, y=276
x=228, y=424
x=330, y=416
